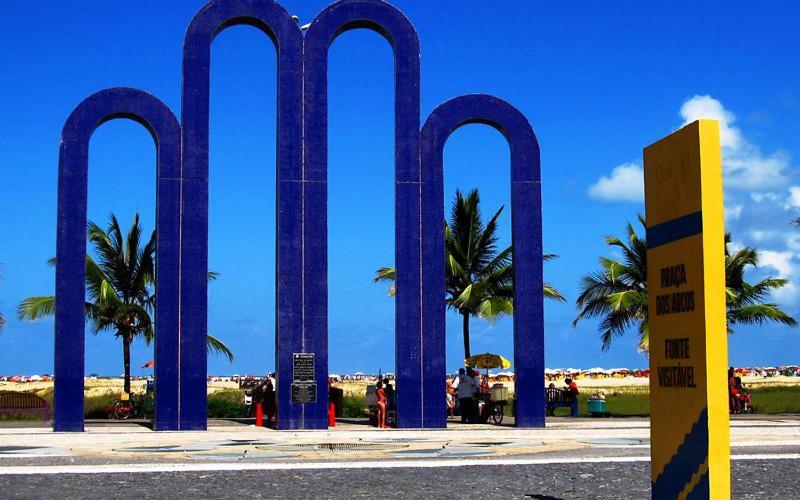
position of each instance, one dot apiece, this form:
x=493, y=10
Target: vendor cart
x=492, y=404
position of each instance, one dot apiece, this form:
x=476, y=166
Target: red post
x=332, y=415
x=259, y=415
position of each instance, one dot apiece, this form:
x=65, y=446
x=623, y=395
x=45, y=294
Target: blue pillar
x=398, y=31
x=276, y=23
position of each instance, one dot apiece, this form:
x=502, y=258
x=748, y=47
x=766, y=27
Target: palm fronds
x=617, y=294
x=216, y=346
x=479, y=278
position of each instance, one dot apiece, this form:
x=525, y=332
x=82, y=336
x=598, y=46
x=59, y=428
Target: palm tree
x=618, y=292
x=478, y=277
x=120, y=286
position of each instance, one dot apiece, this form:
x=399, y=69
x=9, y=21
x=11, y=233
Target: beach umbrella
x=487, y=360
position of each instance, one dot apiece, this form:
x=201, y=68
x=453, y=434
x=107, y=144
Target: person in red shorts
x=733, y=391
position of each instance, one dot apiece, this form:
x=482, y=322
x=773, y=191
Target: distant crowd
x=550, y=375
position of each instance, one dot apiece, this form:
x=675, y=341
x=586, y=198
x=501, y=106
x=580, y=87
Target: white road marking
x=389, y=464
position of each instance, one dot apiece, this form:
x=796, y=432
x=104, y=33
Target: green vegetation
x=353, y=406
x=775, y=399
x=478, y=277
x=20, y=416
x=618, y=293
x=635, y=401
x=120, y=286
x=226, y=404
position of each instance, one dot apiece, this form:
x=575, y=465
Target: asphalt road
x=750, y=479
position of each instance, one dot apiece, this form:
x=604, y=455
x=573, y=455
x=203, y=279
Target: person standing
x=380, y=394
x=391, y=399
x=465, y=386
x=572, y=393
x=268, y=402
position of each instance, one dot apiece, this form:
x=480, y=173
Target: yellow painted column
x=689, y=423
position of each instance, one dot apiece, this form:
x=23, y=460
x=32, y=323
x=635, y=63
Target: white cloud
x=780, y=261
x=705, y=106
x=787, y=294
x=733, y=212
x=794, y=196
x=761, y=234
x=626, y=183
x=793, y=240
x=734, y=246
x=744, y=165
x=759, y=197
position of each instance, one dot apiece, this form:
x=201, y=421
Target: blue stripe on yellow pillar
x=691, y=454
x=702, y=490
x=674, y=229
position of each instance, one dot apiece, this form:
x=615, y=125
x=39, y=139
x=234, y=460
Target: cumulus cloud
x=779, y=261
x=759, y=197
x=626, y=183
x=786, y=295
x=705, y=106
x=733, y=212
x=794, y=197
x=762, y=196
x=744, y=165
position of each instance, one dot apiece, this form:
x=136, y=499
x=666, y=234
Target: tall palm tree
x=479, y=279
x=120, y=286
x=618, y=292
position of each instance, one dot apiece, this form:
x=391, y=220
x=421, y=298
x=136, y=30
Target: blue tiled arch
x=526, y=231
x=399, y=32
x=272, y=19
x=301, y=309
x=73, y=168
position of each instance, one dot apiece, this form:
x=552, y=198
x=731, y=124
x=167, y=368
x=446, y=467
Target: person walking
x=465, y=386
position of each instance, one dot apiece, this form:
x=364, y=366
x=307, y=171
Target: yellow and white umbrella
x=487, y=360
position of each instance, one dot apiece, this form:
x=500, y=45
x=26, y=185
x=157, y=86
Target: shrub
x=353, y=406
x=226, y=404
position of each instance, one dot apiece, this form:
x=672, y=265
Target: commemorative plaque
x=304, y=388
x=304, y=393
x=303, y=367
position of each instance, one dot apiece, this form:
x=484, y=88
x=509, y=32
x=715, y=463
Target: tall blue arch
x=399, y=32
x=526, y=234
x=73, y=166
x=276, y=23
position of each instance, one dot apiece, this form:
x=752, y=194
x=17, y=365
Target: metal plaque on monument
x=304, y=387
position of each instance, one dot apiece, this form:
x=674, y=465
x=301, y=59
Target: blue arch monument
x=301, y=357
x=73, y=163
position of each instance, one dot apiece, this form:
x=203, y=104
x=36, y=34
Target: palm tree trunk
x=126, y=359
x=466, y=334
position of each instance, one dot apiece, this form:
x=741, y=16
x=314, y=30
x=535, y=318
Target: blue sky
x=597, y=82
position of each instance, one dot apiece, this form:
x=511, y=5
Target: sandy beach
x=101, y=386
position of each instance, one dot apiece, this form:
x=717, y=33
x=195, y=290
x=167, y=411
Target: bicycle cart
x=492, y=404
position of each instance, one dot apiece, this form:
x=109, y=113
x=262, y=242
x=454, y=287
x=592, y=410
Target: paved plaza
x=571, y=458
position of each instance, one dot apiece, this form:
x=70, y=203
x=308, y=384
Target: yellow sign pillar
x=689, y=425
